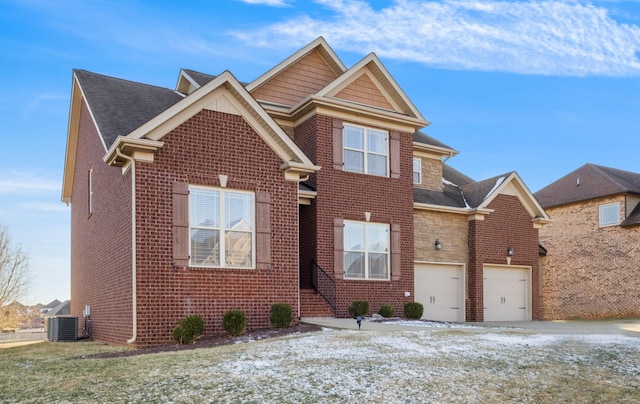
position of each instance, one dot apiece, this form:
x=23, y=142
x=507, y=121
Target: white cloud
x=36, y=102
x=526, y=37
x=17, y=182
x=272, y=3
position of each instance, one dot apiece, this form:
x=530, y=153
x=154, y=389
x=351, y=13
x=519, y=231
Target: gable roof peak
x=320, y=45
x=397, y=97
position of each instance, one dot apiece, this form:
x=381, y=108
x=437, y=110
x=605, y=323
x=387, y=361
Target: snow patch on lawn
x=422, y=323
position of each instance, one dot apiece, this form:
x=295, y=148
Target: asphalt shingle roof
x=120, y=106
x=420, y=137
x=633, y=219
x=200, y=78
x=459, y=190
x=588, y=182
x=476, y=193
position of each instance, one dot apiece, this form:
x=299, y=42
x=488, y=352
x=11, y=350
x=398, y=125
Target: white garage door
x=440, y=289
x=506, y=294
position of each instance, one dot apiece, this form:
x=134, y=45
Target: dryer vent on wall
x=62, y=329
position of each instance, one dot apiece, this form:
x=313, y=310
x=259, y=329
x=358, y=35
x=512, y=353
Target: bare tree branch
x=14, y=270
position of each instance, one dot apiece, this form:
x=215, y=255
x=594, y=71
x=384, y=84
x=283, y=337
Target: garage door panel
x=440, y=289
x=506, y=294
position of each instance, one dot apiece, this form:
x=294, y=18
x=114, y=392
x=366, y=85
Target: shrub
x=189, y=329
x=359, y=308
x=413, y=310
x=280, y=316
x=386, y=310
x=234, y=322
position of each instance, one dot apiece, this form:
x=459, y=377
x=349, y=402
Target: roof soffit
x=186, y=84
x=226, y=94
x=352, y=112
x=75, y=109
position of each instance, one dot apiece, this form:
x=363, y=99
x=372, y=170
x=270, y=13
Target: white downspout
x=134, y=294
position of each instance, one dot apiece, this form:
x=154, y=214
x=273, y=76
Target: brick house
x=591, y=267
x=297, y=187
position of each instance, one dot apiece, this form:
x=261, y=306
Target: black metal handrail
x=324, y=284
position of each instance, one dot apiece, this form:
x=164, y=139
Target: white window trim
x=90, y=192
x=365, y=151
x=419, y=161
x=366, y=252
x=222, y=230
x=601, y=216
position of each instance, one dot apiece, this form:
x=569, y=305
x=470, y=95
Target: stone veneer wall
x=449, y=228
x=431, y=174
x=589, y=271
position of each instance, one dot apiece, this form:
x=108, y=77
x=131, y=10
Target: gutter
x=134, y=299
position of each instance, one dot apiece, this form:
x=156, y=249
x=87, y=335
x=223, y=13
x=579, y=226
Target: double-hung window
x=609, y=214
x=366, y=150
x=417, y=170
x=366, y=250
x=221, y=227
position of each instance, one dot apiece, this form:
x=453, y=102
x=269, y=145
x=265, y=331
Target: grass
x=336, y=366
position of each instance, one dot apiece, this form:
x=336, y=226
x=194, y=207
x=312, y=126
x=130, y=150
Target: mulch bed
x=212, y=341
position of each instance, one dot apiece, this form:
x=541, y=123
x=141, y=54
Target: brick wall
x=101, y=243
x=209, y=144
x=348, y=196
x=589, y=271
x=508, y=225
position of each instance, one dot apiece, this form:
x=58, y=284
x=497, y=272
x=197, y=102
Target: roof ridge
x=121, y=79
x=609, y=176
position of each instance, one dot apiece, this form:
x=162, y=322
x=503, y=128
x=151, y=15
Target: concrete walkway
x=628, y=327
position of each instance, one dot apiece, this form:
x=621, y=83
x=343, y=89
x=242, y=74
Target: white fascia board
x=525, y=196
x=373, y=59
x=360, y=109
x=435, y=149
x=451, y=209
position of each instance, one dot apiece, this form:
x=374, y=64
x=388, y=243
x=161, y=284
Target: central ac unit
x=62, y=329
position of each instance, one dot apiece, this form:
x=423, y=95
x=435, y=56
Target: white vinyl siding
x=221, y=228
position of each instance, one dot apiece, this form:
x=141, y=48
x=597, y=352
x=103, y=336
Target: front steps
x=314, y=305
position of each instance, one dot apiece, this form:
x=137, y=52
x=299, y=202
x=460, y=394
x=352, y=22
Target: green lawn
x=336, y=366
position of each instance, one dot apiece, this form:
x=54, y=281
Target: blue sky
x=539, y=87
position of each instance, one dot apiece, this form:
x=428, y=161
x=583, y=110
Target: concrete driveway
x=628, y=327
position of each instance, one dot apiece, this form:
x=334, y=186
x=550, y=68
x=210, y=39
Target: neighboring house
x=591, y=269
x=297, y=187
x=61, y=309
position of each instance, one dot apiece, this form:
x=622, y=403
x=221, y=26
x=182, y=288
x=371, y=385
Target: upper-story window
x=221, y=227
x=417, y=170
x=366, y=250
x=366, y=150
x=609, y=214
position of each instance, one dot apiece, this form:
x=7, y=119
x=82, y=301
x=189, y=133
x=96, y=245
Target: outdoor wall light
x=438, y=245
x=509, y=251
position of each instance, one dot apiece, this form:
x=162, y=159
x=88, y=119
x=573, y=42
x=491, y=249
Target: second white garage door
x=440, y=289
x=506, y=294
